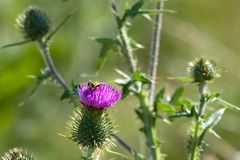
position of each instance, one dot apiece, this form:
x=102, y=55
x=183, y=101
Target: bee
x=93, y=84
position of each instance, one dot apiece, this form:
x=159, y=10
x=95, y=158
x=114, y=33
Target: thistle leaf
x=142, y=77
x=44, y=75
x=184, y=79
x=154, y=12
x=227, y=104
x=211, y=122
x=108, y=45
x=133, y=11
x=176, y=95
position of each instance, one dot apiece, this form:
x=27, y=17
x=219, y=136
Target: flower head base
x=91, y=128
x=98, y=95
x=202, y=70
x=17, y=154
x=33, y=23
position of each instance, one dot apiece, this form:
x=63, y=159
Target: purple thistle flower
x=98, y=95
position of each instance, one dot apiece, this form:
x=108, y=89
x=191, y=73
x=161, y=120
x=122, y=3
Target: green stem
x=194, y=154
x=127, y=49
x=123, y=143
x=49, y=63
x=196, y=146
x=124, y=39
x=149, y=121
x=154, y=53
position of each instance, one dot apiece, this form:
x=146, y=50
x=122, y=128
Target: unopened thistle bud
x=202, y=70
x=17, y=154
x=91, y=127
x=33, y=23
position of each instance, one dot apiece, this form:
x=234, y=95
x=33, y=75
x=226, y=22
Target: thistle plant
x=90, y=126
x=201, y=72
x=33, y=23
x=17, y=154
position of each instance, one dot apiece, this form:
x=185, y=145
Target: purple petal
x=103, y=96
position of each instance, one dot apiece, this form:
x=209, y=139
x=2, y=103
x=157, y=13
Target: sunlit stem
x=196, y=146
x=154, y=52
x=44, y=50
x=150, y=130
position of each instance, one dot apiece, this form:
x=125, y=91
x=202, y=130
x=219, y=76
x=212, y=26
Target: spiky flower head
x=202, y=70
x=91, y=128
x=98, y=95
x=17, y=154
x=33, y=23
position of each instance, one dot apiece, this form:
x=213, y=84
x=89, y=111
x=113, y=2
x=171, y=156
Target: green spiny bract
x=17, y=154
x=202, y=70
x=33, y=23
x=91, y=128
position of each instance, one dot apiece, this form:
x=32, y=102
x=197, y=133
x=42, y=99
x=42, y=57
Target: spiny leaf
x=108, y=45
x=154, y=12
x=122, y=73
x=125, y=88
x=117, y=153
x=166, y=107
x=148, y=17
x=212, y=97
x=58, y=27
x=159, y=97
x=86, y=158
x=135, y=44
x=139, y=157
x=211, y=122
x=133, y=11
x=44, y=75
x=176, y=95
x=65, y=95
x=184, y=112
x=227, y=104
x=142, y=77
x=16, y=44
x=215, y=133
x=185, y=79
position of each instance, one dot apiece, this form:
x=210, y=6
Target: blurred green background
x=207, y=28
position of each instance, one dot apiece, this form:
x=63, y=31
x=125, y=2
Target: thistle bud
x=91, y=128
x=17, y=154
x=202, y=70
x=33, y=23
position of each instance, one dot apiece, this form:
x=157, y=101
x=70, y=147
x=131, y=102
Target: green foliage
x=177, y=95
x=227, y=104
x=194, y=150
x=86, y=158
x=133, y=11
x=108, y=46
x=176, y=105
x=132, y=84
x=201, y=71
x=210, y=122
x=69, y=95
x=43, y=77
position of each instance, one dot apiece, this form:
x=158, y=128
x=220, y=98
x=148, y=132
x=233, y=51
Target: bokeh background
x=207, y=28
